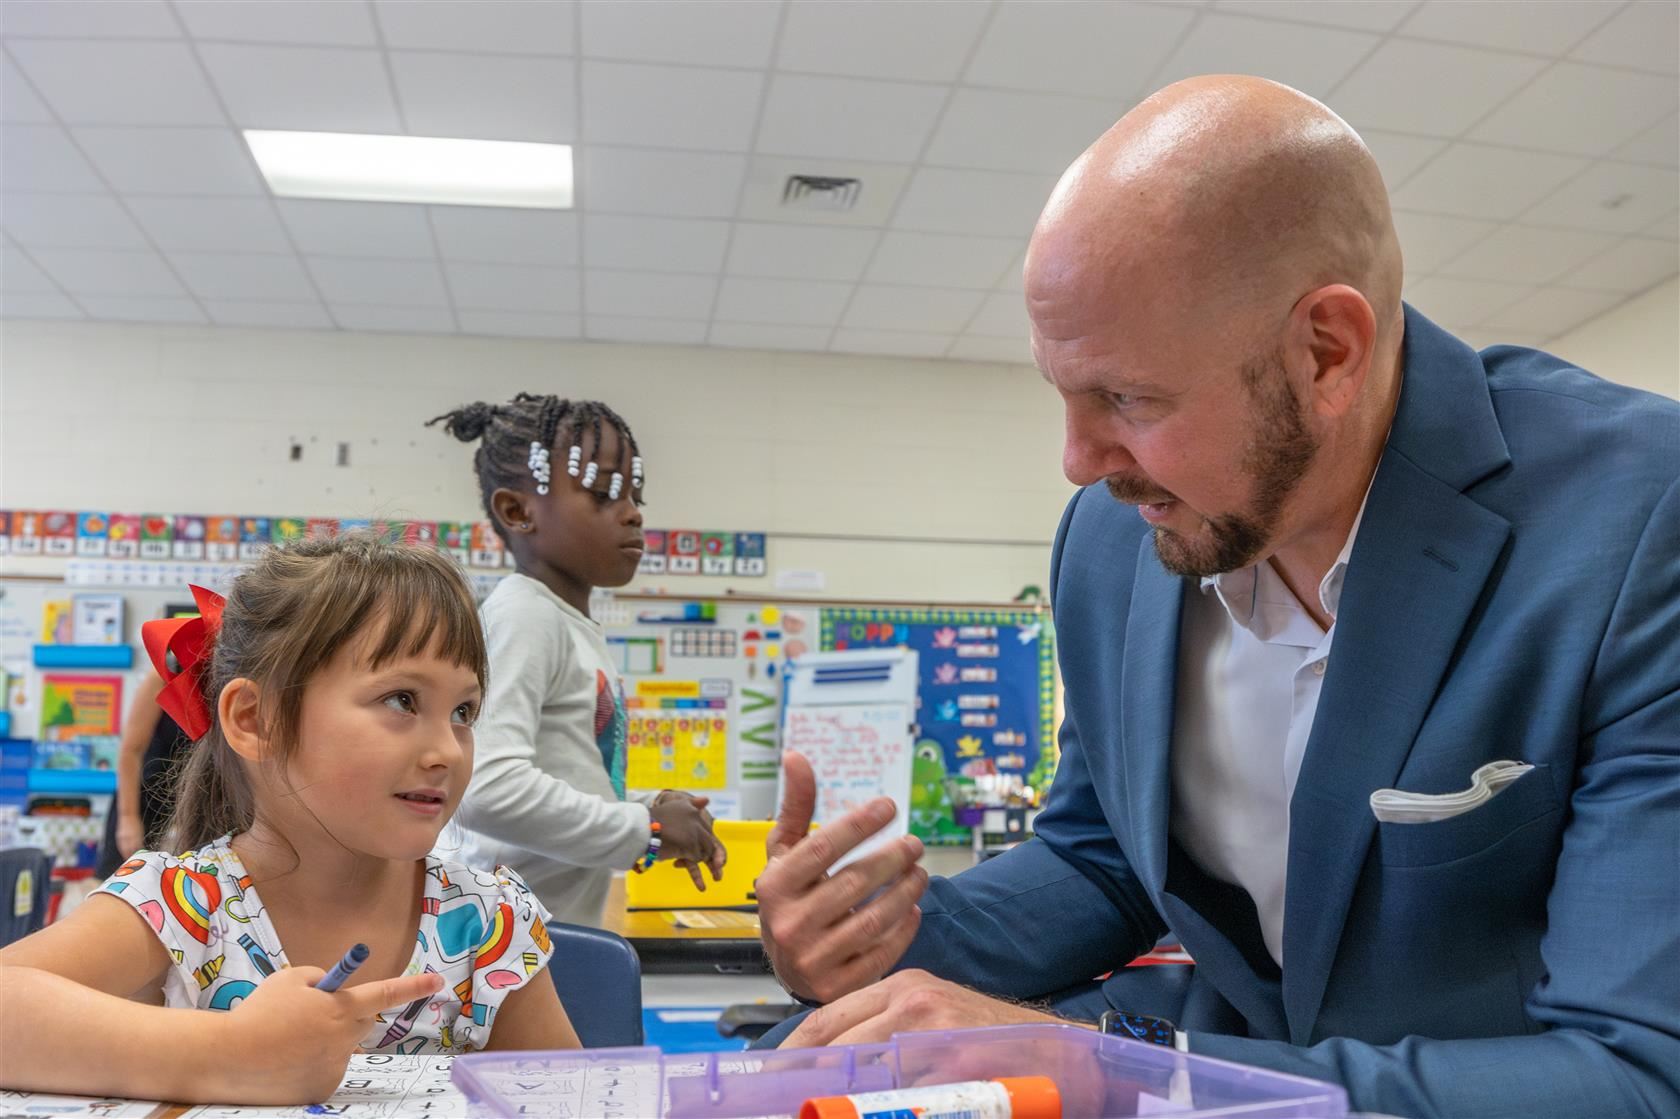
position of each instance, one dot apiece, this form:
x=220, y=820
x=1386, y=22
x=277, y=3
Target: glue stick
x=1007, y=1097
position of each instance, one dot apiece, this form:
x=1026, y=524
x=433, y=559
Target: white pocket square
x=1392, y=806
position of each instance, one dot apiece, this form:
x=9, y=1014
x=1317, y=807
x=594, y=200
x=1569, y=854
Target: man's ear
x=512, y=510
x=239, y=714
x=1333, y=331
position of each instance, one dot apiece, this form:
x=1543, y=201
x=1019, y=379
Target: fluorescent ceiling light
x=362, y=168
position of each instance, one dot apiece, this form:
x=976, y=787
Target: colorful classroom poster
x=26, y=533
x=255, y=535
x=455, y=537
x=321, y=528
x=189, y=538
x=987, y=697
x=717, y=553
x=419, y=533
x=5, y=532
x=653, y=553
x=80, y=706
x=157, y=533
x=93, y=534
x=678, y=735
x=123, y=536
x=683, y=546
x=58, y=533
x=486, y=548
x=221, y=539
x=749, y=553
x=288, y=529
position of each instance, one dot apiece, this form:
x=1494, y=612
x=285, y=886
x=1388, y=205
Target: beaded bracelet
x=651, y=855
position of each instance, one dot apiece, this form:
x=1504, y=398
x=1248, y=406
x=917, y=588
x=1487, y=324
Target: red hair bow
x=191, y=640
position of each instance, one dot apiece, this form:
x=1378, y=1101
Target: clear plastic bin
x=1099, y=1077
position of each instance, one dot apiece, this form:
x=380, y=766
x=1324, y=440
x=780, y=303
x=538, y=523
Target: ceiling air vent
x=820, y=192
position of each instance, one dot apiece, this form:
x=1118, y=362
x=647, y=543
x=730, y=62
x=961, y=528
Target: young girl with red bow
x=331, y=698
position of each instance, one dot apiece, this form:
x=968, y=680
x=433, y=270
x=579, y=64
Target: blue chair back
x=599, y=978
x=16, y=922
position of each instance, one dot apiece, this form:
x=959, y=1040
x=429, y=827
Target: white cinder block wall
x=885, y=454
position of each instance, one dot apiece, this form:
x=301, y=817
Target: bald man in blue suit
x=1323, y=550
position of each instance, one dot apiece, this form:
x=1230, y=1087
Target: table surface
x=656, y=924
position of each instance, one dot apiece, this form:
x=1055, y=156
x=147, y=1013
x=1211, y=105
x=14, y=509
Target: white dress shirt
x=1251, y=662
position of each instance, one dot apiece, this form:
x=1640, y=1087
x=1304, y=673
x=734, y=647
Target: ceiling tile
x=499, y=287
x=1464, y=83
x=767, y=177
x=1427, y=241
x=1471, y=180
x=1014, y=277
x=1098, y=49
x=702, y=32
x=38, y=305
x=785, y=302
x=848, y=118
x=211, y=224
x=756, y=336
x=938, y=260
x=898, y=343
x=678, y=184
x=18, y=272
x=921, y=310
x=1612, y=197
x=300, y=316
x=1016, y=351
x=87, y=221
x=648, y=294
x=1496, y=23
x=496, y=236
x=1536, y=255
x=1455, y=303
x=1641, y=35
x=103, y=272
x=879, y=38
x=501, y=26
x=394, y=320
x=18, y=103
x=89, y=19
x=655, y=244
x=520, y=325
x=382, y=229
x=1658, y=144
x=250, y=276
x=800, y=252
x=993, y=203
x=1553, y=311
x=1631, y=266
x=119, y=308
x=36, y=157
x=1399, y=156
x=329, y=22
x=1311, y=59
x=391, y=283
x=311, y=89
x=137, y=82
x=486, y=97
x=1364, y=15
x=1003, y=315
x=1664, y=227
x=172, y=160
x=618, y=328
x=669, y=106
x=1005, y=131
x=1584, y=110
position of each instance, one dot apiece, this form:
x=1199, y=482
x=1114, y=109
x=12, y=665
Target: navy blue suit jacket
x=1514, y=592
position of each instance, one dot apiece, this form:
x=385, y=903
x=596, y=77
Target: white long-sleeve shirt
x=541, y=800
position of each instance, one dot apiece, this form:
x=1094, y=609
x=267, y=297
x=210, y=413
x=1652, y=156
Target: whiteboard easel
x=852, y=715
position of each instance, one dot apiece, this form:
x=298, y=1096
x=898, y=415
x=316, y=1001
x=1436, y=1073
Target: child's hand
x=290, y=1043
x=685, y=833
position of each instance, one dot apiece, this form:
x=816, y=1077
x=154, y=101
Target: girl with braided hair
x=561, y=480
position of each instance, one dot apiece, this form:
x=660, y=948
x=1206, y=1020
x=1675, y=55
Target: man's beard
x=1277, y=459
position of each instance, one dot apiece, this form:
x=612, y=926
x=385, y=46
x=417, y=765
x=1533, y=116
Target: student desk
x=666, y=949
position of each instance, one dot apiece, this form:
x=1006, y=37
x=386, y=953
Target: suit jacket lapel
x=1422, y=557
x=1148, y=688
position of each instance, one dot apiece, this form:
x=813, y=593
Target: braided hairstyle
x=502, y=460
